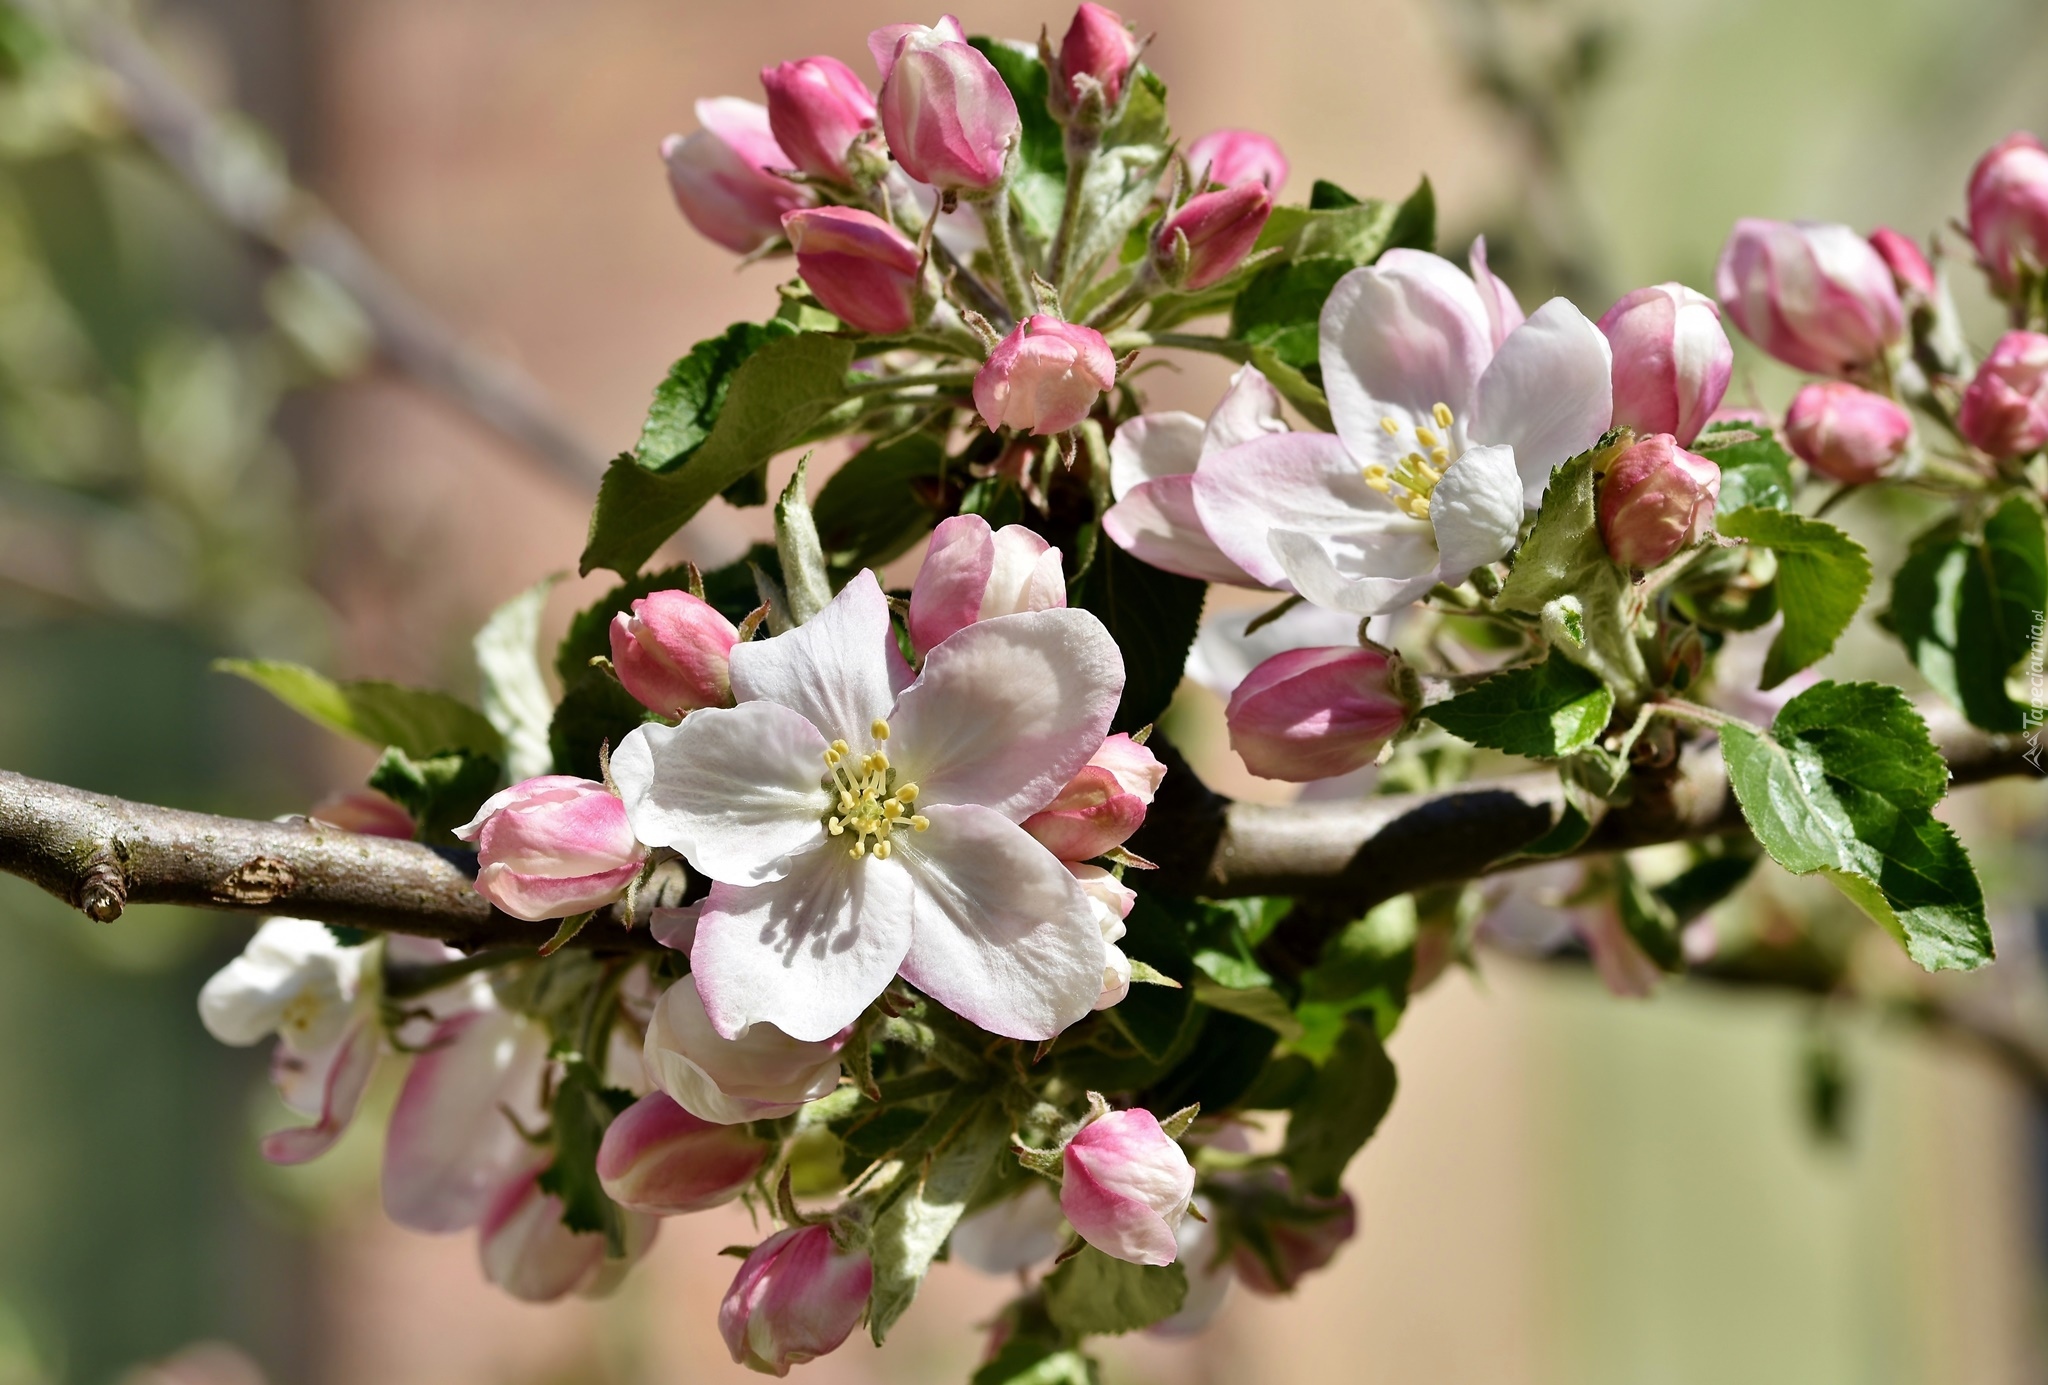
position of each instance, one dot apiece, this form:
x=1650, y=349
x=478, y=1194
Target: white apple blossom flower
x=1442, y=440
x=859, y=825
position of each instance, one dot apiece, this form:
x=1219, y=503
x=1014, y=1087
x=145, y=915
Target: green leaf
x=913, y=1228
x=1096, y=1294
x=1152, y=615
x=419, y=721
x=1545, y=712
x=1282, y=305
x=796, y=543
x=1351, y=1094
x=1822, y=576
x=1034, y=1361
x=1326, y=196
x=1038, y=184
x=774, y=397
x=1296, y=388
x=1755, y=470
x=1843, y=784
x=1414, y=225
x=1563, y=557
x=583, y=1108
x=442, y=792
x=514, y=694
x=1966, y=608
x=1358, y=232
x=687, y=402
x=1366, y=967
x=870, y=510
x=594, y=712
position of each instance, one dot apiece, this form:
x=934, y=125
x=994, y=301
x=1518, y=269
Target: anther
x=880, y=730
x=1443, y=415
x=1427, y=438
x=919, y=823
x=906, y=793
x=1391, y=426
x=882, y=850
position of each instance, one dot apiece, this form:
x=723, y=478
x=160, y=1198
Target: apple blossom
x=2005, y=409
x=1231, y=157
x=797, y=1297
x=1441, y=441
x=659, y=1159
x=861, y=268
x=670, y=650
x=1044, y=377
x=1655, y=499
x=722, y=175
x=2009, y=210
x=527, y=1251
x=808, y=805
x=1815, y=296
x=1097, y=45
x=1316, y=713
x=972, y=573
x=1103, y=804
x=1214, y=231
x=553, y=846
x=759, y=1074
x=1845, y=433
x=1112, y=900
x=949, y=118
x=1152, y=463
x=1671, y=360
x=1911, y=274
x=1125, y=1185
x=817, y=108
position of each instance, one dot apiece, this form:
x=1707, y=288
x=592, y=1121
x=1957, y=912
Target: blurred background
x=215, y=439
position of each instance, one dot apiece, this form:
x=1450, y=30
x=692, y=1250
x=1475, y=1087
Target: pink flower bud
x=1316, y=713
x=1112, y=901
x=949, y=118
x=1231, y=157
x=762, y=1075
x=2009, y=209
x=528, y=1252
x=860, y=266
x=721, y=175
x=1125, y=1187
x=1283, y=1235
x=1910, y=271
x=553, y=846
x=672, y=651
x=1845, y=433
x=2005, y=409
x=365, y=811
x=883, y=42
x=1220, y=229
x=971, y=573
x=1098, y=44
x=1815, y=296
x=1671, y=360
x=797, y=1297
x=1102, y=805
x=659, y=1159
x=1654, y=500
x=1044, y=377
x=817, y=108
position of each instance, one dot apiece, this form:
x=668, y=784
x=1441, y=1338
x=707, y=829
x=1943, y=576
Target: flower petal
x=834, y=668
x=1549, y=393
x=1007, y=710
x=1397, y=339
x=807, y=953
x=1503, y=311
x=343, y=1075
x=735, y=789
x=1476, y=511
x=1004, y=936
x=1151, y=446
x=1155, y=522
x=1364, y=574
x=452, y=1142
x=952, y=581
x=1301, y=481
x=1224, y=653
x=1250, y=410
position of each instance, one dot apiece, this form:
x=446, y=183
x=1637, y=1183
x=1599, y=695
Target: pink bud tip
x=659, y=1159
x=1126, y=1186
x=672, y=651
x=1308, y=714
x=1910, y=270
x=1845, y=433
x=2009, y=210
x=817, y=108
x=797, y=1297
x=723, y=179
x=1220, y=229
x=858, y=265
x=1044, y=377
x=1654, y=500
x=2005, y=409
x=973, y=573
x=553, y=846
x=1231, y=157
x=949, y=118
x=1100, y=45
x=1817, y=297
x=1102, y=805
x=1671, y=360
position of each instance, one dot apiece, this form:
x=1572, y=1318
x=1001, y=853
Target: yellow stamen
x=1428, y=438
x=906, y=793
x=1391, y=426
x=1443, y=415
x=882, y=849
x=880, y=730
x=920, y=822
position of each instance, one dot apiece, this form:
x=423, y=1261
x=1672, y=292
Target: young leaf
x=1564, y=557
x=1966, y=608
x=1350, y=1095
x=910, y=1231
x=1822, y=576
x=1324, y=196
x=419, y=721
x=583, y=1108
x=1545, y=712
x=1038, y=186
x=1842, y=784
x=1096, y=1294
x=1034, y=1361
x=1152, y=615
x=1282, y=304
x=867, y=511
x=1755, y=470
x=594, y=712
x=514, y=695
x=442, y=792
x=796, y=543
x=775, y=395
x=687, y=402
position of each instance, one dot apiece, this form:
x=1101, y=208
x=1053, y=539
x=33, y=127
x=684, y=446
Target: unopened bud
x=2009, y=211
x=797, y=1297
x=673, y=652
x=553, y=846
x=1098, y=44
x=1845, y=433
x=723, y=175
x=817, y=108
x=659, y=1159
x=949, y=118
x=1654, y=500
x=1671, y=360
x=1044, y=377
x=1125, y=1187
x=1815, y=296
x=861, y=268
x=1232, y=157
x=1219, y=229
x=1102, y=805
x=2005, y=409
x=1308, y=714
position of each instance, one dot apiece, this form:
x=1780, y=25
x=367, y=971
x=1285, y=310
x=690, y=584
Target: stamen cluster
x=868, y=801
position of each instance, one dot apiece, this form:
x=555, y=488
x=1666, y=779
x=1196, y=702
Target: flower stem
x=943, y=379
x=1080, y=157
x=995, y=219
x=1185, y=341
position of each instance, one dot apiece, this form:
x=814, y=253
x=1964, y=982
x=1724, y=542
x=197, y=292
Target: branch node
x=103, y=893
x=256, y=882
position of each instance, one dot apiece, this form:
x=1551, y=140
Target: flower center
x=866, y=800
x=1410, y=480
x=300, y=1012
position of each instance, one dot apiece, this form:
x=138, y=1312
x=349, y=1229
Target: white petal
x=1476, y=511
x=1250, y=410
x=1157, y=523
x=737, y=790
x=1224, y=653
x=1397, y=339
x=1007, y=710
x=807, y=953
x=1300, y=481
x=1549, y=393
x=1005, y=937
x=1151, y=446
x=1363, y=574
x=834, y=668
x=452, y=1143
